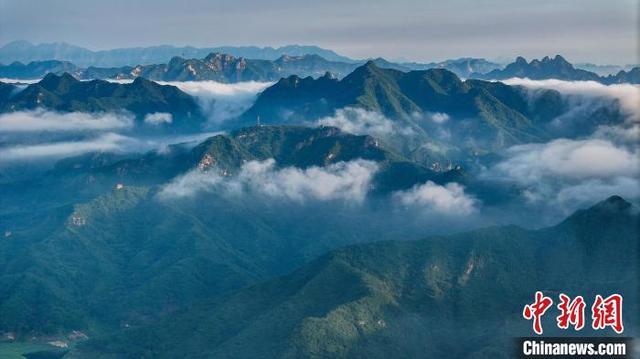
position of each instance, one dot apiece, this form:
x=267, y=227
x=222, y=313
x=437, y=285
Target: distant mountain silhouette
x=25, y=51
x=556, y=68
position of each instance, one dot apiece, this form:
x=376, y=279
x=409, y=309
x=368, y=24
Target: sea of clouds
x=570, y=173
x=41, y=134
x=347, y=182
x=567, y=172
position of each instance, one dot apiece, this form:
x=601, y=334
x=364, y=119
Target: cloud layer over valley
x=108, y=142
x=573, y=172
x=627, y=95
x=349, y=181
x=449, y=199
x=219, y=100
x=44, y=121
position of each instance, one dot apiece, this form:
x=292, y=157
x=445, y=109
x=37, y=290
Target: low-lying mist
x=552, y=178
x=222, y=102
x=569, y=173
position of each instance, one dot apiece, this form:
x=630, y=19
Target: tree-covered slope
x=410, y=299
x=86, y=254
x=491, y=113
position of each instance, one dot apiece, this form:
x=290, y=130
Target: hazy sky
x=601, y=31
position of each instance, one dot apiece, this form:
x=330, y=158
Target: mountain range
x=227, y=68
x=141, y=97
x=557, y=68
x=78, y=206
x=25, y=51
x=491, y=113
x=481, y=116
x=223, y=67
x=387, y=298
x=300, y=231
x=603, y=70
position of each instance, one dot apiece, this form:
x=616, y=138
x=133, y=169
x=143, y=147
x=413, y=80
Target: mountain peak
x=612, y=204
x=328, y=76
x=219, y=56
x=545, y=68
x=370, y=64
x=602, y=212
x=52, y=80
x=521, y=60
x=18, y=45
x=288, y=58
x=559, y=58
x=141, y=81
x=370, y=70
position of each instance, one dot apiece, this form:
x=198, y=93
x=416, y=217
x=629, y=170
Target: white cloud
x=158, y=118
x=222, y=101
x=626, y=134
x=628, y=95
x=19, y=81
x=348, y=181
x=359, y=121
x=362, y=122
x=189, y=184
x=571, y=173
x=109, y=142
x=162, y=144
x=219, y=89
x=439, y=117
x=591, y=191
x=449, y=199
x=41, y=120
x=577, y=159
x=219, y=100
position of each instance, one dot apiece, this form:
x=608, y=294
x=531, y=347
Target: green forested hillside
x=493, y=115
x=450, y=296
x=81, y=249
x=141, y=97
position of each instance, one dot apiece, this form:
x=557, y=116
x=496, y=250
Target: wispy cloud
x=564, y=158
x=571, y=173
x=18, y=81
x=568, y=173
x=359, y=121
x=439, y=117
x=449, y=199
x=362, y=122
x=222, y=101
x=41, y=120
x=628, y=134
x=590, y=191
x=349, y=181
x=626, y=94
x=158, y=118
x=108, y=142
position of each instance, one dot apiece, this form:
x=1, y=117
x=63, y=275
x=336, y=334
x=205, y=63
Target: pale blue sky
x=601, y=31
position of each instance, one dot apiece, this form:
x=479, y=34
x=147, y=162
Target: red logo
x=608, y=313
x=536, y=309
x=604, y=312
x=571, y=312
